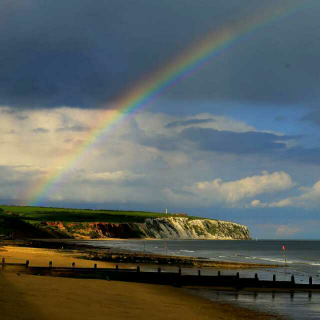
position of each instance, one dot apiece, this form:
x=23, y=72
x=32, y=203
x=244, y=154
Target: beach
x=41, y=297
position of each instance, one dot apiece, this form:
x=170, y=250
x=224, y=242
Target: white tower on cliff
x=166, y=211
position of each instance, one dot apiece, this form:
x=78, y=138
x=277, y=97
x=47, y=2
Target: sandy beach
x=39, y=297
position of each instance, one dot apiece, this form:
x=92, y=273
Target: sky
x=237, y=138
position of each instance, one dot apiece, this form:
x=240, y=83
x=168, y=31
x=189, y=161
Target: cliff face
x=184, y=228
x=158, y=228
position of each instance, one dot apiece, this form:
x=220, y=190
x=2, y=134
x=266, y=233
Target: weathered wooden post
x=237, y=284
x=73, y=265
x=159, y=270
x=199, y=273
x=138, y=269
x=27, y=263
x=274, y=278
x=179, y=271
x=117, y=268
x=292, y=279
x=310, y=281
x=95, y=267
x=291, y=295
x=3, y=262
x=219, y=273
x=256, y=277
x=50, y=267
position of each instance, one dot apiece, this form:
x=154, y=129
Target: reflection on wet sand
x=295, y=305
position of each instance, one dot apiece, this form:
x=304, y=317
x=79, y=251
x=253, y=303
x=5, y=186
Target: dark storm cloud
x=250, y=143
x=184, y=123
x=235, y=142
x=84, y=53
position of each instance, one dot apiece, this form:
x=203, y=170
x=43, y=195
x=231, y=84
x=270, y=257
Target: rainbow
x=145, y=91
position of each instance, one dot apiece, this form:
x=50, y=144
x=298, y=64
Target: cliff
x=156, y=228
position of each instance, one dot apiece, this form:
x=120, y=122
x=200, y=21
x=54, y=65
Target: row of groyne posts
x=157, y=276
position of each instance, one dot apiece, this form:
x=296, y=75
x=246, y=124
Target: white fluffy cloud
x=310, y=198
x=116, y=176
x=233, y=192
x=141, y=159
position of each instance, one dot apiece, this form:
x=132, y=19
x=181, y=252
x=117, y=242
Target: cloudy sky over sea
x=237, y=138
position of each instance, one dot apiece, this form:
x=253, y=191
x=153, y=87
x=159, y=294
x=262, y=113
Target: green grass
x=31, y=214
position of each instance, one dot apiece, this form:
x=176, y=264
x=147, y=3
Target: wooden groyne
x=159, y=276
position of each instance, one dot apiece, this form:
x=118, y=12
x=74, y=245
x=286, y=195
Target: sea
x=301, y=258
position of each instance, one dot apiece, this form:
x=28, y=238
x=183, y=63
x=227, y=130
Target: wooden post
x=292, y=279
x=238, y=275
x=73, y=265
x=159, y=270
x=199, y=273
x=138, y=269
x=27, y=263
x=291, y=295
x=285, y=256
x=179, y=271
x=50, y=267
x=3, y=262
x=274, y=278
x=256, y=277
x=117, y=268
x=95, y=267
x=310, y=281
x=219, y=273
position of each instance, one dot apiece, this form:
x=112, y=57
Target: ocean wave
x=186, y=251
x=275, y=260
x=291, y=261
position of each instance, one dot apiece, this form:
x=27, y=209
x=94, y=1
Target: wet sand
x=40, y=297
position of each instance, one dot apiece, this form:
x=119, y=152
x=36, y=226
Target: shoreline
x=148, y=298
x=119, y=255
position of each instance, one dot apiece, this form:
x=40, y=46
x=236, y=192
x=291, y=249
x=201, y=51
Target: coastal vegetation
x=43, y=222
x=29, y=213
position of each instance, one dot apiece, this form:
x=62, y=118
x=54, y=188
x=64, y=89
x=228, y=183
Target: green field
x=29, y=222
x=33, y=214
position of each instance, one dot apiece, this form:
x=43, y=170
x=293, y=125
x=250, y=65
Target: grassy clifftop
x=77, y=215
x=27, y=220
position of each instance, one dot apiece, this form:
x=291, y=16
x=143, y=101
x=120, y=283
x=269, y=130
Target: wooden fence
x=159, y=276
